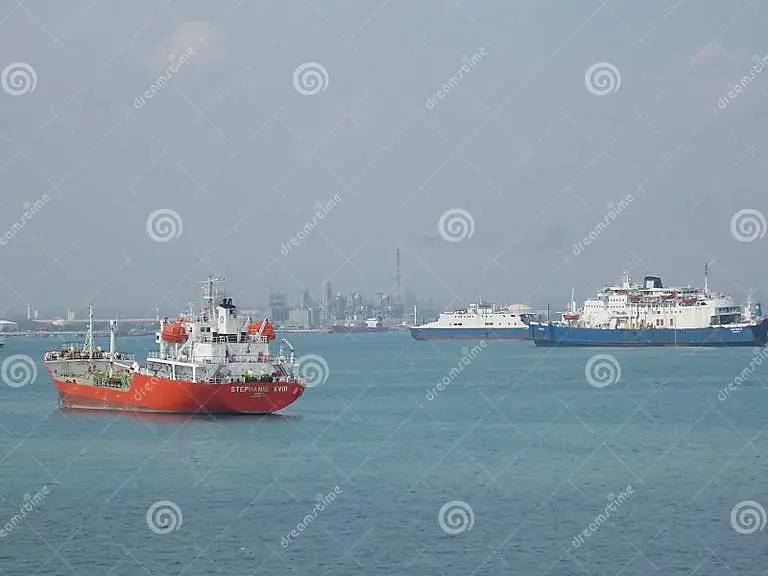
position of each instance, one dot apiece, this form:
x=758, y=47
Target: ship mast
x=208, y=299
x=626, y=280
x=112, y=339
x=89, y=345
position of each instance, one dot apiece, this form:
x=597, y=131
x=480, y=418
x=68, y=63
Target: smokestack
x=397, y=277
x=706, y=277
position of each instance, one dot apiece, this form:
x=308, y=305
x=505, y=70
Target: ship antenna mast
x=626, y=281
x=209, y=296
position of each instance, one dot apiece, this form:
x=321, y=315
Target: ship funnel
x=653, y=282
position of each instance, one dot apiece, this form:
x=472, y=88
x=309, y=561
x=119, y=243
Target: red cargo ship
x=211, y=363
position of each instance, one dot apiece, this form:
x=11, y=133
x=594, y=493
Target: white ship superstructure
x=479, y=321
x=652, y=305
x=218, y=345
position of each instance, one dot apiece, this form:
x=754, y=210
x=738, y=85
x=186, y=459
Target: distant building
x=339, y=308
x=302, y=318
x=8, y=326
x=278, y=306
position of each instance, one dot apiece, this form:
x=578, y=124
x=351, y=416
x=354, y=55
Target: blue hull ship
x=563, y=335
x=650, y=314
x=479, y=322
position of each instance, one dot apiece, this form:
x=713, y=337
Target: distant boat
x=370, y=325
x=651, y=314
x=479, y=321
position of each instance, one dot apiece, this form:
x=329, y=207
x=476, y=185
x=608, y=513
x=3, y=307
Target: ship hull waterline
x=161, y=395
x=470, y=334
x=356, y=330
x=716, y=336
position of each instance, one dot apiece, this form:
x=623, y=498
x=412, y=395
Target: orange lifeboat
x=174, y=333
x=268, y=332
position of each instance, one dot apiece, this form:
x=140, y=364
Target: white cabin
x=652, y=305
x=485, y=316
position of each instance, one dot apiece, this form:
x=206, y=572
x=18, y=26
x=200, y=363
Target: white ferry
x=479, y=321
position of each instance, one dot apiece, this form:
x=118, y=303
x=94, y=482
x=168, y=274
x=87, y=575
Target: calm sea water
x=518, y=448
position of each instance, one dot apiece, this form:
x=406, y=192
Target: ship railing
x=84, y=355
x=243, y=380
x=122, y=356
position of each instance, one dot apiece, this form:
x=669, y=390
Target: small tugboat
x=210, y=363
x=651, y=314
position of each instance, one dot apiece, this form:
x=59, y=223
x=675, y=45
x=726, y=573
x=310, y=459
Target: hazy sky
x=242, y=142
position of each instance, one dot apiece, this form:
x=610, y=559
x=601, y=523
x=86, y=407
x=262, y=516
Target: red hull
x=152, y=394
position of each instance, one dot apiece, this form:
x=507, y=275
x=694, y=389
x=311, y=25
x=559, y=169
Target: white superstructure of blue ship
x=651, y=314
x=479, y=321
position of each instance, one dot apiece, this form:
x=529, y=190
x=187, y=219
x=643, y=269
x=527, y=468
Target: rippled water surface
x=535, y=470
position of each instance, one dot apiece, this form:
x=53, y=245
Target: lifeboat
x=569, y=316
x=636, y=297
x=268, y=332
x=174, y=333
x=670, y=296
